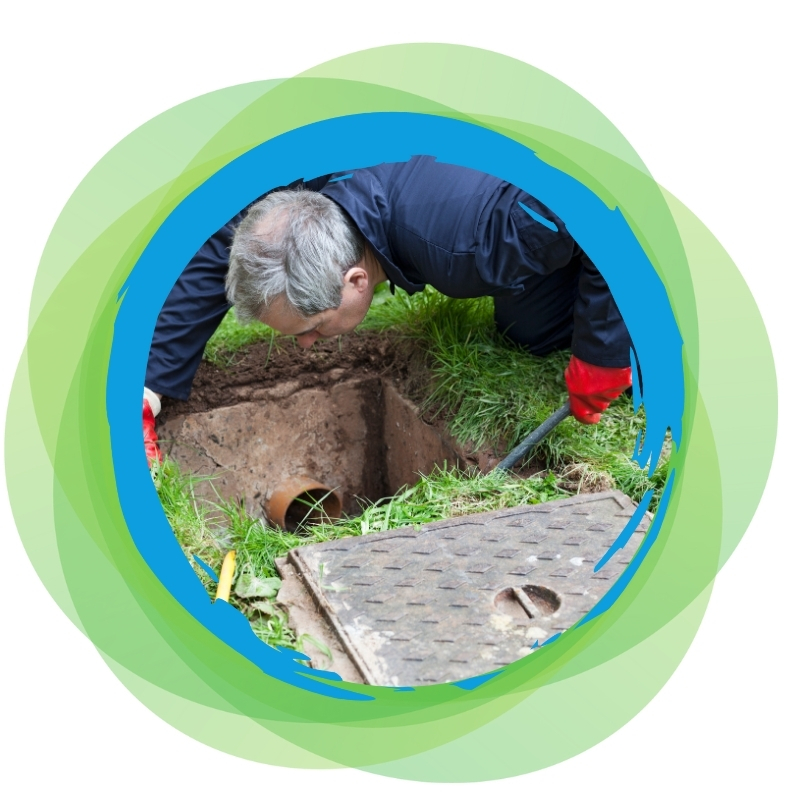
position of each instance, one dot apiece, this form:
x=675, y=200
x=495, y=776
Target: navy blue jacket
x=465, y=233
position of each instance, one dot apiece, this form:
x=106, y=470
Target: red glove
x=591, y=389
x=150, y=436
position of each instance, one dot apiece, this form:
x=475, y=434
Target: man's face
x=356, y=297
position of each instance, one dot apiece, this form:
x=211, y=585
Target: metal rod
x=532, y=439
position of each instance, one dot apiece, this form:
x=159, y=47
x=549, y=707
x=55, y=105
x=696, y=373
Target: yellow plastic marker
x=226, y=576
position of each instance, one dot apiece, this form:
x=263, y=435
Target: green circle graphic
x=586, y=685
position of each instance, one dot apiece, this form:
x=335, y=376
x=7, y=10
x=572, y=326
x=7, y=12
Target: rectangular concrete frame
x=456, y=598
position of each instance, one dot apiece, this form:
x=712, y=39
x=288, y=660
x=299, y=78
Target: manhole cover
x=460, y=597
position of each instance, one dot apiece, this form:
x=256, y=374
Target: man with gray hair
x=306, y=259
x=294, y=247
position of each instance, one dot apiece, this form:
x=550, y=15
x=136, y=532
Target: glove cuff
x=152, y=398
x=589, y=379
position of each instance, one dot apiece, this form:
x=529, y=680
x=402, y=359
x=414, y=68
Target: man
x=306, y=259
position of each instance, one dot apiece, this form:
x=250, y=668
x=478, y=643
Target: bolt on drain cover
x=460, y=597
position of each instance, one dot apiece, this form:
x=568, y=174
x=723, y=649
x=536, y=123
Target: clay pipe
x=291, y=503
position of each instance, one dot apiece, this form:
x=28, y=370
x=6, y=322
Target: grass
x=208, y=531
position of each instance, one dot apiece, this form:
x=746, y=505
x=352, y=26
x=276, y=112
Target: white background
x=705, y=92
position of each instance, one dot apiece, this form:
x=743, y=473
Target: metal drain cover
x=460, y=597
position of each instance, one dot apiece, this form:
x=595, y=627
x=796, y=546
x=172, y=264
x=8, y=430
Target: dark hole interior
x=546, y=600
x=527, y=602
x=311, y=508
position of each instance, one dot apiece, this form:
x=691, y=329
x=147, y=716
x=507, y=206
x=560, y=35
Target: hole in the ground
x=527, y=602
x=359, y=437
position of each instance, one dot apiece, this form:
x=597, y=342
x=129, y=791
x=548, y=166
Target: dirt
x=342, y=414
x=260, y=367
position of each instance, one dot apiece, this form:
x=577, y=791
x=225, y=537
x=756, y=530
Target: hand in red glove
x=150, y=436
x=591, y=388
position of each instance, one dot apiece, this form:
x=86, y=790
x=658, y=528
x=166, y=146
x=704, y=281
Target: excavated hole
x=359, y=437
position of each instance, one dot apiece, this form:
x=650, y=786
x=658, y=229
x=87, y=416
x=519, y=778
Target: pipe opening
x=302, y=502
x=311, y=508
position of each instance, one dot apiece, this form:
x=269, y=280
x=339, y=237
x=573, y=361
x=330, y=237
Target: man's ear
x=357, y=277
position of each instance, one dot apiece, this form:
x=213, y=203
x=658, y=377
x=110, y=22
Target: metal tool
x=532, y=439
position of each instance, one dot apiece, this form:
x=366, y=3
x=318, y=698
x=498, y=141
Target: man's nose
x=308, y=339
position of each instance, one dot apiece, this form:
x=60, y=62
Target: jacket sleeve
x=600, y=335
x=194, y=309
x=191, y=313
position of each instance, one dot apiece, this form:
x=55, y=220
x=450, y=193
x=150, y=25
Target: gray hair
x=295, y=243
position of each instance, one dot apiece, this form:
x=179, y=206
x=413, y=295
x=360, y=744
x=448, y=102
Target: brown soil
x=259, y=368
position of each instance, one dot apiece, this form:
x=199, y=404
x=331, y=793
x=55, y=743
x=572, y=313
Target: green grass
x=208, y=531
x=199, y=531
